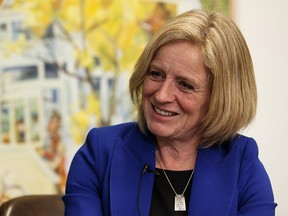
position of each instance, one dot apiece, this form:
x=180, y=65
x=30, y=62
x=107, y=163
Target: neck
x=176, y=156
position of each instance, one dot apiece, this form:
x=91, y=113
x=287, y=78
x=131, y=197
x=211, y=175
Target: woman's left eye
x=185, y=85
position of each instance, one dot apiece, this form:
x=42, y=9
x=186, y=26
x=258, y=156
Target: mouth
x=163, y=112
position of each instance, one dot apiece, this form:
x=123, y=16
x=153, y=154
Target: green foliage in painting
x=104, y=35
x=221, y=5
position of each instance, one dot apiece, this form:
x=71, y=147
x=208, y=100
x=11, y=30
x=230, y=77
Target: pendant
x=179, y=203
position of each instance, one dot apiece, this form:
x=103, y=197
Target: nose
x=165, y=92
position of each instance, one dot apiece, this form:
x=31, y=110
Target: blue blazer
x=106, y=177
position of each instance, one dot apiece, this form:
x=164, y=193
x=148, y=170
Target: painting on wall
x=62, y=66
x=64, y=69
x=225, y=6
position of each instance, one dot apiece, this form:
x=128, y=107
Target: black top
x=163, y=196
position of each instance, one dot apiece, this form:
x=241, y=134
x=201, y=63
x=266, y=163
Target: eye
x=156, y=75
x=185, y=86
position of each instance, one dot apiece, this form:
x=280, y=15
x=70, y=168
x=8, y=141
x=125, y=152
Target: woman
x=194, y=87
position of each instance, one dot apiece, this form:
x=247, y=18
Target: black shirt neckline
x=162, y=202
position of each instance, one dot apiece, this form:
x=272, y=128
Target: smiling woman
x=227, y=59
x=176, y=93
x=184, y=156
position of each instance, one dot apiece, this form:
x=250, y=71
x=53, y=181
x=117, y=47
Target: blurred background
x=65, y=65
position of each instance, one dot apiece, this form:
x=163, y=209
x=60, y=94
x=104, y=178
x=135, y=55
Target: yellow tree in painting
x=222, y=5
x=102, y=33
x=92, y=27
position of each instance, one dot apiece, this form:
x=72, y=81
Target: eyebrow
x=193, y=79
x=199, y=85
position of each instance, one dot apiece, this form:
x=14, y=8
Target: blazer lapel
x=214, y=182
x=130, y=190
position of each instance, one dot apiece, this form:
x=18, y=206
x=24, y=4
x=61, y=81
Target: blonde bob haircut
x=227, y=59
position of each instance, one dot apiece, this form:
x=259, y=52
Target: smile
x=164, y=113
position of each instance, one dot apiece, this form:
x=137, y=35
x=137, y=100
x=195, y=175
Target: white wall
x=264, y=24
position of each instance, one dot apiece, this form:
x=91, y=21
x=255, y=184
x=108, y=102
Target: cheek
x=148, y=87
x=195, y=104
x=205, y=102
x=145, y=87
x=146, y=92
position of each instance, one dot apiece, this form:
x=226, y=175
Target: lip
x=163, y=112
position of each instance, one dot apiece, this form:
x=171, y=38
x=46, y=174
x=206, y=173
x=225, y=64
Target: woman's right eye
x=156, y=75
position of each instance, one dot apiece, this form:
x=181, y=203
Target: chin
x=158, y=130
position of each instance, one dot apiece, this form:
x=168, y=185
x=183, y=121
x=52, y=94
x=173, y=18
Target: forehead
x=180, y=57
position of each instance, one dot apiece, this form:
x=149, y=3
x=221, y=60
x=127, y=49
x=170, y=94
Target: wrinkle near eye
x=185, y=86
x=156, y=75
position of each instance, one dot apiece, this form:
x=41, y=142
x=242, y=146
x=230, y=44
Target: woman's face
x=176, y=92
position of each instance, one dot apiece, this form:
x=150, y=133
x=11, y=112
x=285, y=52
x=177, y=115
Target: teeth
x=164, y=113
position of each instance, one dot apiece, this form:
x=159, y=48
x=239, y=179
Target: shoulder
x=242, y=148
x=237, y=148
x=245, y=147
x=98, y=148
x=251, y=170
x=244, y=143
x=254, y=186
x=238, y=157
x=113, y=131
x=108, y=136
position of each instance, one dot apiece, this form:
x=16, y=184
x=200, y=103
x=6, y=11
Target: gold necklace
x=179, y=201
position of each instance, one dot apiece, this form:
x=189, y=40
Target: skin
x=175, y=100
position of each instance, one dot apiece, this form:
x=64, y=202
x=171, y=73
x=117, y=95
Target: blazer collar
x=214, y=182
x=131, y=189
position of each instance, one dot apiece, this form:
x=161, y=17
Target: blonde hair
x=227, y=58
